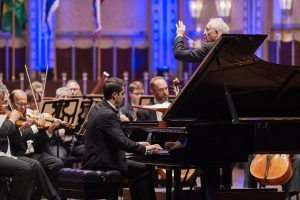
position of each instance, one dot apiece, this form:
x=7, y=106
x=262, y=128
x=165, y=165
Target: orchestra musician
x=213, y=30
x=33, y=143
x=136, y=90
x=65, y=138
x=74, y=87
x=23, y=173
x=23, y=186
x=106, y=143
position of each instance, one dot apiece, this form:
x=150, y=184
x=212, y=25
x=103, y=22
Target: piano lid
x=258, y=88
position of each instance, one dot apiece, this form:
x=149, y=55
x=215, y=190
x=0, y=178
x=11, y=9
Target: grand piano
x=234, y=105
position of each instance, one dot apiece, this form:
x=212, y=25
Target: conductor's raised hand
x=180, y=28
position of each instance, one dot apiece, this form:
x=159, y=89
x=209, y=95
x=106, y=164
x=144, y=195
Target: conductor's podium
x=89, y=184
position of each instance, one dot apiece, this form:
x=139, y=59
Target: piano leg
x=210, y=182
x=177, y=180
x=168, y=184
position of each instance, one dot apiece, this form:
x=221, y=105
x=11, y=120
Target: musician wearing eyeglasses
x=136, y=90
x=31, y=141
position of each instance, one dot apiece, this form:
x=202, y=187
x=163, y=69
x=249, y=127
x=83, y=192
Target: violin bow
x=33, y=94
x=44, y=86
x=80, y=132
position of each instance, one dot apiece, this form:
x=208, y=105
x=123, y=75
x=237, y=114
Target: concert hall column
x=163, y=20
x=41, y=41
x=253, y=16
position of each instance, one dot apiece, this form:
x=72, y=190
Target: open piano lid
x=258, y=88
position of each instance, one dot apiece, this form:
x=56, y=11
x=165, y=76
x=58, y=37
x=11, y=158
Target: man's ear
x=113, y=95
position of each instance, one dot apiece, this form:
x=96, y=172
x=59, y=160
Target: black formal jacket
x=193, y=55
x=6, y=130
x=146, y=115
x=127, y=111
x=19, y=141
x=105, y=141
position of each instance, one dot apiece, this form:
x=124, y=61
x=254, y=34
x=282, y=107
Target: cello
x=271, y=169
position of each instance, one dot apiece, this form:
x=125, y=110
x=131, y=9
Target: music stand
x=66, y=109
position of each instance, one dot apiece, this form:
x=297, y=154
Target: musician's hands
x=14, y=116
x=144, y=143
x=180, y=29
x=26, y=124
x=124, y=118
x=61, y=133
x=173, y=145
x=153, y=147
x=54, y=125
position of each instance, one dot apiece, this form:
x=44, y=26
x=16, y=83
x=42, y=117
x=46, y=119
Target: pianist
x=213, y=30
x=106, y=143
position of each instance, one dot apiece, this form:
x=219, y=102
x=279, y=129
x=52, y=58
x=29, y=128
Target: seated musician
x=30, y=172
x=136, y=90
x=34, y=143
x=158, y=88
x=106, y=143
x=74, y=86
x=30, y=99
x=23, y=173
x=65, y=138
x=291, y=187
x=37, y=87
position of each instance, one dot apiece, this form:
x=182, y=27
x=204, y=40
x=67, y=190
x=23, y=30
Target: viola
x=271, y=169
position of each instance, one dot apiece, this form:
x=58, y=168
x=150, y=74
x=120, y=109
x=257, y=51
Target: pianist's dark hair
x=112, y=85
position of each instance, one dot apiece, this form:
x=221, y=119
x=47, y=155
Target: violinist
x=23, y=173
x=28, y=172
x=33, y=143
x=30, y=99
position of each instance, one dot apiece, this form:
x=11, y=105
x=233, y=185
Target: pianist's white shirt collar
x=112, y=105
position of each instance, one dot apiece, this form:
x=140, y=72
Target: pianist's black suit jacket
x=193, y=55
x=105, y=141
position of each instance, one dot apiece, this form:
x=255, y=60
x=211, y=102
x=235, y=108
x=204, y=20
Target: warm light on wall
x=223, y=8
x=195, y=7
x=286, y=6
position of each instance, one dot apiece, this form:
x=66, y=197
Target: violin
x=271, y=169
x=47, y=119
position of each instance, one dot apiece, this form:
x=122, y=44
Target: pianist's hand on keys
x=153, y=147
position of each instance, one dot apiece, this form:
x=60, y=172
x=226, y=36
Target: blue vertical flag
x=50, y=8
x=97, y=15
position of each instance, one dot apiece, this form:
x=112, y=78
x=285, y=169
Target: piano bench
x=89, y=184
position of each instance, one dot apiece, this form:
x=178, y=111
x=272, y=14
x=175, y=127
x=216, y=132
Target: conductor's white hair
x=219, y=25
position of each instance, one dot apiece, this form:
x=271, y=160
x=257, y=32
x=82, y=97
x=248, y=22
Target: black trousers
x=23, y=177
x=48, y=167
x=140, y=181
